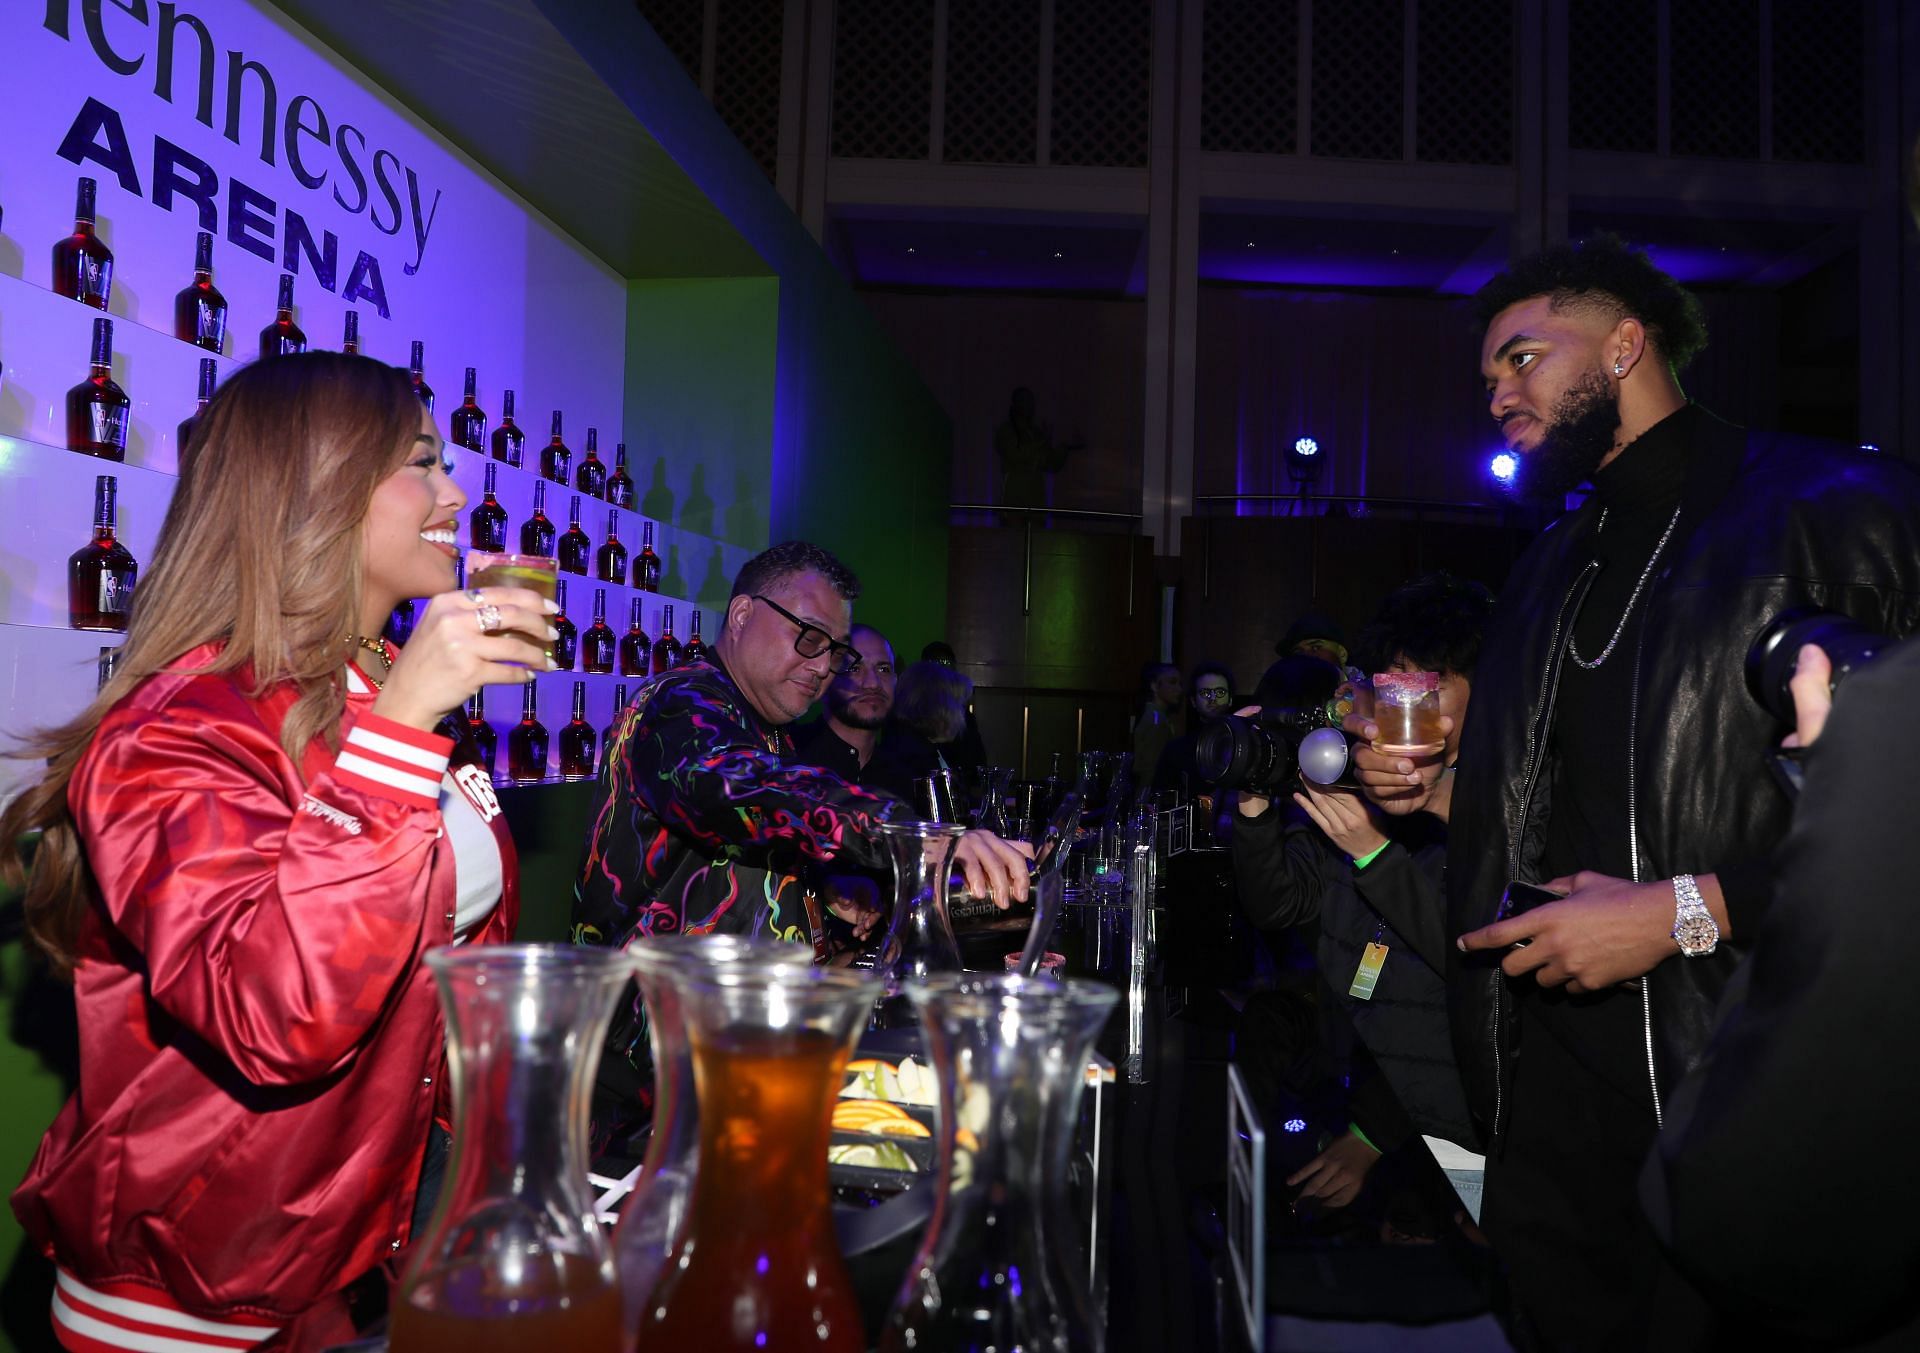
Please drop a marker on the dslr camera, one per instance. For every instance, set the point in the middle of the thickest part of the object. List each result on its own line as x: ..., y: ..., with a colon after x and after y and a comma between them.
x: 1849, y: 645
x: 1270, y: 752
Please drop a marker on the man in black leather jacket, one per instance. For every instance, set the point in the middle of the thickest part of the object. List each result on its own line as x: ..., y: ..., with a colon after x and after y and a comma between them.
x: 1616, y: 756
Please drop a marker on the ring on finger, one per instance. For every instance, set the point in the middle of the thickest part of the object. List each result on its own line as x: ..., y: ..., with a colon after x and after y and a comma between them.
x: 476, y: 596
x: 487, y: 617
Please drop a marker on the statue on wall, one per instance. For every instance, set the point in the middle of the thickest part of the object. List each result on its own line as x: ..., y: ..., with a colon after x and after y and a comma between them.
x: 1027, y: 453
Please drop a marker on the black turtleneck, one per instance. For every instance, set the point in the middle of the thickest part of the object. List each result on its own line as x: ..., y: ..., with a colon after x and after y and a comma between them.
x: 1587, y: 823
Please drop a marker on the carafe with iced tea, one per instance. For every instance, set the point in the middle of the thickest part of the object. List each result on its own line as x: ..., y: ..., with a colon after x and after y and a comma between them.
x: 651, y: 1218
x: 514, y: 1257
x: 756, y: 1265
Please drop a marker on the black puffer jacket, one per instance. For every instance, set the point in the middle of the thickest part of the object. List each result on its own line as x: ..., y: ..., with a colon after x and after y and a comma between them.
x: 1767, y: 522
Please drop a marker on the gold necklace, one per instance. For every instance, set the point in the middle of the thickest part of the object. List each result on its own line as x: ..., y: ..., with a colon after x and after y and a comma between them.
x: 375, y: 646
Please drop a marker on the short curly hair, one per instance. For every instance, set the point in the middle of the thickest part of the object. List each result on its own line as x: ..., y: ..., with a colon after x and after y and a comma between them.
x: 1607, y: 275
x: 775, y: 564
x: 1435, y: 622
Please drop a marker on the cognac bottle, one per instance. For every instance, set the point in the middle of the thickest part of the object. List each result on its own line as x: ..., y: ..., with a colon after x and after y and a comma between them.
x: 469, y: 423
x: 527, y: 743
x: 283, y: 335
x: 487, y: 523
x: 636, y: 650
x: 567, y: 646
x: 555, y: 459
x: 508, y: 439
x: 574, y: 545
x: 399, y: 626
x: 666, y: 649
x: 610, y: 564
x: 577, y: 739
x: 696, y: 649
x: 613, y: 723
x: 619, y: 484
x: 199, y: 310
x: 416, y: 374
x: 591, y: 477
x: 82, y: 264
x: 350, y: 341
x: 536, y: 532
x: 101, y: 573
x: 597, y: 644
x: 646, y: 569
x: 209, y: 375
x: 484, y: 737
x: 98, y: 411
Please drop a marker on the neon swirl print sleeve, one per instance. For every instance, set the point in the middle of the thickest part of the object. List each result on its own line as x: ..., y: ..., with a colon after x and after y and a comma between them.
x: 697, y: 808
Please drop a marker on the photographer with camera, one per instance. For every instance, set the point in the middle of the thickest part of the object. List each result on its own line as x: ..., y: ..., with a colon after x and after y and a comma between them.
x: 1372, y: 882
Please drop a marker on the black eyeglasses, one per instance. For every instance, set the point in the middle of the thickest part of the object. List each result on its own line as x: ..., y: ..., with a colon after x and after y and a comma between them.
x: 812, y: 641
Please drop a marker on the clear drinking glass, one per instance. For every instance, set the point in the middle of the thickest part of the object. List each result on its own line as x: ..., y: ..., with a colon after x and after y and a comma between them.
x: 1000, y: 1267
x: 1405, y: 707
x: 514, y: 1257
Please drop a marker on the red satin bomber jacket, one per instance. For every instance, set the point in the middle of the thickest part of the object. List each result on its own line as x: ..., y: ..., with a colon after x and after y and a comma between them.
x: 261, y: 1047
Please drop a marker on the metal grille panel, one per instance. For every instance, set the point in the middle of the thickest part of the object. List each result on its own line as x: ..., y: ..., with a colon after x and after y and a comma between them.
x: 1819, y: 81
x: 1613, y: 75
x: 1358, y: 79
x: 1249, y: 85
x: 746, y: 74
x: 1714, y: 81
x: 680, y: 24
x: 882, y: 79
x: 993, y: 82
x: 1464, y: 60
x: 1102, y: 75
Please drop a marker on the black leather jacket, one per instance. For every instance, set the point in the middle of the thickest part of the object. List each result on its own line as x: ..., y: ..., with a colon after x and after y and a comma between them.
x: 1767, y: 522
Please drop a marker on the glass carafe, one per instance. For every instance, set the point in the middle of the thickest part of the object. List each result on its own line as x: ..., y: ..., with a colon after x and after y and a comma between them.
x: 1000, y: 1267
x: 514, y: 1257
x: 652, y: 1215
x: 920, y: 935
x: 756, y: 1265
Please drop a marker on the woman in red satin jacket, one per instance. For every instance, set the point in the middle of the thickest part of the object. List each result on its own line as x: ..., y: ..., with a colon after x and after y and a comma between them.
x: 247, y: 842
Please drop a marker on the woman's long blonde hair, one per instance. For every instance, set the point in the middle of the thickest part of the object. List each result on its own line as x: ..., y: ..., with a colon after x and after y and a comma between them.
x: 260, y: 551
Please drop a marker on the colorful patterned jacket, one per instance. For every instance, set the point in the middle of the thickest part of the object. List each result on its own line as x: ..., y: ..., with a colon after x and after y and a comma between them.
x: 708, y: 827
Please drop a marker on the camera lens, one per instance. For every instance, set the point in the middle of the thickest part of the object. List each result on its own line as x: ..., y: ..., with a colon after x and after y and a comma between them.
x: 1253, y: 754
x: 1770, y: 661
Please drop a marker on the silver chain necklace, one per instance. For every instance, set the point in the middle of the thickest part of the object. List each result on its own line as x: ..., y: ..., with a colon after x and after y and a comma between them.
x: 1621, y: 628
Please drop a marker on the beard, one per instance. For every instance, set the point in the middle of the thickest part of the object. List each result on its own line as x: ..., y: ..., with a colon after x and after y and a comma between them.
x: 843, y: 710
x: 1581, y: 433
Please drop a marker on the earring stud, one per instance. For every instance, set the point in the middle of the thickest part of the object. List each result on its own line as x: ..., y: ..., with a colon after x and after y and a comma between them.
x: 1619, y: 370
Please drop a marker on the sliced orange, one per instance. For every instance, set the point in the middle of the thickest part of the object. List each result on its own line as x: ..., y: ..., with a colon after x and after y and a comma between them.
x: 906, y: 1127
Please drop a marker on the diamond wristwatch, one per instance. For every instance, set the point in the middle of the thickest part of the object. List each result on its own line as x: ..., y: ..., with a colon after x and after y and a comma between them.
x: 1693, y: 925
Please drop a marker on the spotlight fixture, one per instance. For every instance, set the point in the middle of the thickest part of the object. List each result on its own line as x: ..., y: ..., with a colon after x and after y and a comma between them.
x: 1868, y: 446
x: 1304, y: 462
x: 1295, y: 1125
x: 1503, y: 467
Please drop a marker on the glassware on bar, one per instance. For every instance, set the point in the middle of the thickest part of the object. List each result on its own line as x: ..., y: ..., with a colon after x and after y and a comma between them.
x: 514, y: 1257
x: 999, y: 1266
x: 756, y: 1264
x: 919, y: 940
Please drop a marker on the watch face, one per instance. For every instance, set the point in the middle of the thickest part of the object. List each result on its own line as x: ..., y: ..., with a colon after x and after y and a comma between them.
x: 1696, y: 935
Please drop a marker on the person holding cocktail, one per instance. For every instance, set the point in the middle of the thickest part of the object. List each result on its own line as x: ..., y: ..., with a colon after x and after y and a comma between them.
x: 247, y: 842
